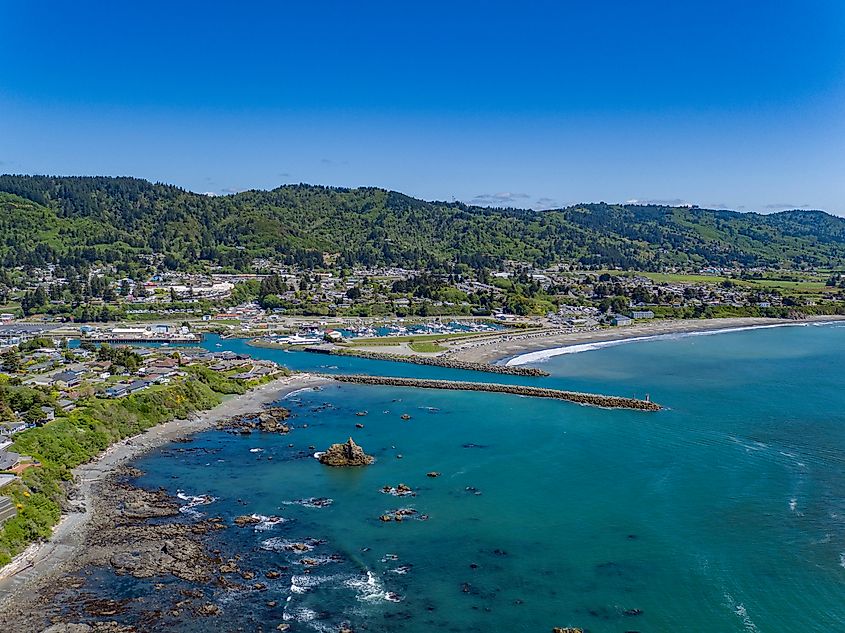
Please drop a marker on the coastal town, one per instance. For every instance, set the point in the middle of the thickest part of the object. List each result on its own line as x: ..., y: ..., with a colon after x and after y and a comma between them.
x: 54, y: 360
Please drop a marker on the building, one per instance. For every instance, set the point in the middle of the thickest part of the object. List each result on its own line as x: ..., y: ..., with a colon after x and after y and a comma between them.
x: 621, y: 319
x: 137, y: 385
x: 7, y: 509
x: 642, y: 314
x: 9, y: 459
x: 116, y: 391
x: 333, y: 336
x: 67, y: 379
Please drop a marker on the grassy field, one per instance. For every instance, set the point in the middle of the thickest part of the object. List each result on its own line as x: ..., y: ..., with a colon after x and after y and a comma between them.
x: 426, y: 347
x: 411, y: 338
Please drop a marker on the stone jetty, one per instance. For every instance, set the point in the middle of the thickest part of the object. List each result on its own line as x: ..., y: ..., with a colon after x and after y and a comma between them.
x: 436, y: 361
x: 592, y: 399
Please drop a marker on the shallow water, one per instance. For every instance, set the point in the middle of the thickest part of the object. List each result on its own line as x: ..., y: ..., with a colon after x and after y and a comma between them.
x: 723, y: 513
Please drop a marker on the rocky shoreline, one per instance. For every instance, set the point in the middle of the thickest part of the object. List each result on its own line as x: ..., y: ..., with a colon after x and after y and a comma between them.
x: 436, y: 361
x: 135, y: 532
x: 592, y: 399
x: 37, y: 569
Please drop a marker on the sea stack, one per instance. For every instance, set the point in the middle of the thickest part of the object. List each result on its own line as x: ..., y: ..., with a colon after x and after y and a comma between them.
x: 348, y: 454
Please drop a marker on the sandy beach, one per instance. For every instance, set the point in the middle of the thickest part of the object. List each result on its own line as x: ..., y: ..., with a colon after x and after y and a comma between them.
x: 493, y: 349
x: 43, y: 559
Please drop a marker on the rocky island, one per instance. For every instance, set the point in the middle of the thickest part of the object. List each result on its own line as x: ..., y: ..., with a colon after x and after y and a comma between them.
x: 348, y: 454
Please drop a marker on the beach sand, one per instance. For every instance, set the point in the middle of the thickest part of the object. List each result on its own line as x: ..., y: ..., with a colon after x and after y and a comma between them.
x: 43, y: 559
x: 511, y: 344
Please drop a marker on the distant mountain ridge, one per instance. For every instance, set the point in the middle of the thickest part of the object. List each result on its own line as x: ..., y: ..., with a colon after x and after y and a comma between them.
x: 77, y: 220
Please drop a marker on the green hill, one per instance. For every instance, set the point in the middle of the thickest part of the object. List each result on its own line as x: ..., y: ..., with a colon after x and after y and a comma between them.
x: 78, y: 220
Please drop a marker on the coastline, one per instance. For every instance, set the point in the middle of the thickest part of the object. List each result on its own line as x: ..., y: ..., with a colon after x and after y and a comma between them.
x: 42, y: 560
x: 508, y: 347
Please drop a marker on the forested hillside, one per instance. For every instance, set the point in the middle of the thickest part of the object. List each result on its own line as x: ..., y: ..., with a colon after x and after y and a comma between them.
x: 79, y: 220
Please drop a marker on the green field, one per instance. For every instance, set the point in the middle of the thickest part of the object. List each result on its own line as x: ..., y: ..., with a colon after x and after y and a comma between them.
x: 411, y: 338
x: 425, y: 347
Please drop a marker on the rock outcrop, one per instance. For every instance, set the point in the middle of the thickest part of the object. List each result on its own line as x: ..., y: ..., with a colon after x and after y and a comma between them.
x: 348, y: 454
x: 270, y: 420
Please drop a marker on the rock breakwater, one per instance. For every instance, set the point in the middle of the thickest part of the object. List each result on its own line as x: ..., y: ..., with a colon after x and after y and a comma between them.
x: 436, y: 361
x: 592, y: 399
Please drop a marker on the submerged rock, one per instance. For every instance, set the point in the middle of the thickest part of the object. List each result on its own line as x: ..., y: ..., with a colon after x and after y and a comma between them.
x: 348, y: 454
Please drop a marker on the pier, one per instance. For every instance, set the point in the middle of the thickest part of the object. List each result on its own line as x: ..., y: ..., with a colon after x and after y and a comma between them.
x: 591, y: 399
x: 435, y: 361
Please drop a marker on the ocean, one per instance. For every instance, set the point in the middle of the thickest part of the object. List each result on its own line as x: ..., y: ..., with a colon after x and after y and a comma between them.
x: 725, y: 512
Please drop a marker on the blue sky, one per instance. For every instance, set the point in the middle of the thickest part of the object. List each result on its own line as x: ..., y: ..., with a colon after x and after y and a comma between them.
x: 728, y: 104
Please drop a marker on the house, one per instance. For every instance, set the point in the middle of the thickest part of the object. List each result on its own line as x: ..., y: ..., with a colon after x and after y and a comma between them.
x: 621, y: 319
x: 165, y: 362
x: 9, y: 459
x: 66, y: 405
x: 10, y: 428
x: 67, y: 379
x: 642, y: 314
x: 116, y: 391
x: 137, y: 385
x: 49, y: 414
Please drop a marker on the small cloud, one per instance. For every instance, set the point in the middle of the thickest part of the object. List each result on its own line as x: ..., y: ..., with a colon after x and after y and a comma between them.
x: 785, y: 206
x: 284, y: 174
x: 210, y: 194
x: 503, y: 198
x: 660, y: 202
x: 546, y: 203
x: 230, y: 190
x: 330, y: 161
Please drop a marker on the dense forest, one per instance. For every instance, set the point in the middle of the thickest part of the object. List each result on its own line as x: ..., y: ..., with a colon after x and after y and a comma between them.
x: 78, y: 221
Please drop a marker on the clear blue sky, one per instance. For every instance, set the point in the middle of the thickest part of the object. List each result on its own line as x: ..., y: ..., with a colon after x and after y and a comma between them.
x: 737, y: 104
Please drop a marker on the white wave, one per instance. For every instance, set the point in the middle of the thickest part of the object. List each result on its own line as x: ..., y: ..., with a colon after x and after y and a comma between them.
x: 285, y: 545
x: 296, y: 392
x: 256, y: 450
x: 266, y: 523
x: 742, y: 613
x: 311, y: 502
x: 545, y: 354
x: 300, y: 614
x: 193, y: 502
x: 306, y: 582
x: 370, y: 589
x: 842, y: 560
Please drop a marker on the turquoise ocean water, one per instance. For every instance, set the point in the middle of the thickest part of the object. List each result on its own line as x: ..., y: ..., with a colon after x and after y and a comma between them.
x: 726, y: 512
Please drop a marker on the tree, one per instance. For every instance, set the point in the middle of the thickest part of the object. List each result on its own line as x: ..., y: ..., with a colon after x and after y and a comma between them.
x: 12, y: 361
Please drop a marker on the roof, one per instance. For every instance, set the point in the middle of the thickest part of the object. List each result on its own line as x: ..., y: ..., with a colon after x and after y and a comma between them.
x: 66, y: 376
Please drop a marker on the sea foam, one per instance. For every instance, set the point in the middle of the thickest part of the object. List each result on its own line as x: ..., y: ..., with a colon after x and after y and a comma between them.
x: 545, y: 354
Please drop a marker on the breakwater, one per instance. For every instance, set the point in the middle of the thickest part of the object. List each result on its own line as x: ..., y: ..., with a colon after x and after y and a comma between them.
x: 436, y: 361
x: 592, y: 399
